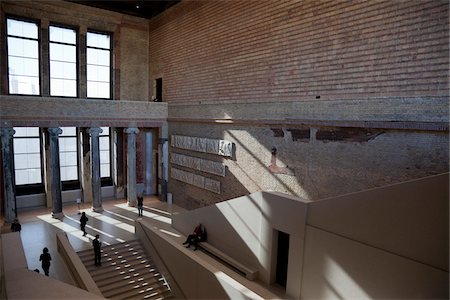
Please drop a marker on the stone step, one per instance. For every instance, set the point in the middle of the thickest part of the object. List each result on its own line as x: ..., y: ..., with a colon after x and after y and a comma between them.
x: 143, y: 293
x: 155, y: 284
x: 111, y: 248
x: 124, y: 274
x: 115, y: 264
x: 148, y: 278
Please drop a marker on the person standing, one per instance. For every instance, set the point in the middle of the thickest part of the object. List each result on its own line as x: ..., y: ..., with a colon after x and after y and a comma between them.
x: 97, y: 251
x: 83, y: 221
x: 45, y: 258
x: 140, y: 204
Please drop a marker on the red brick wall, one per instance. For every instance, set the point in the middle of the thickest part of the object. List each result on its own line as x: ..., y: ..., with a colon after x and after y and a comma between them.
x: 250, y: 51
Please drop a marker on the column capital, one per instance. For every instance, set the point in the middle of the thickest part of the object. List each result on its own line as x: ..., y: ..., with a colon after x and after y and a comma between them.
x: 131, y: 130
x: 7, y: 132
x: 55, y: 131
x: 94, y: 131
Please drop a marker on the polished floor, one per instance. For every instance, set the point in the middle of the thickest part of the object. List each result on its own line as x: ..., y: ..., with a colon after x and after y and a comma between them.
x: 115, y: 224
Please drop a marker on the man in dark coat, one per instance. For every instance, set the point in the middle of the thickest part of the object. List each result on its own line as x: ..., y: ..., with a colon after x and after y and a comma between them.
x: 97, y: 251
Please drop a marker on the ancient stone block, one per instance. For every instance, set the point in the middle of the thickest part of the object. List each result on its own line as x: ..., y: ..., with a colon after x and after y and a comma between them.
x: 213, y: 146
x: 199, y: 164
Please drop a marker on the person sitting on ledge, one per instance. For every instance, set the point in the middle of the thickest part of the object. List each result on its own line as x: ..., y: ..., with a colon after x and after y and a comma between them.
x: 199, y: 235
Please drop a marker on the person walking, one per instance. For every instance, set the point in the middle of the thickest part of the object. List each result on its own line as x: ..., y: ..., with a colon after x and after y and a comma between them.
x: 97, y: 251
x: 15, y: 226
x: 45, y: 258
x: 83, y: 221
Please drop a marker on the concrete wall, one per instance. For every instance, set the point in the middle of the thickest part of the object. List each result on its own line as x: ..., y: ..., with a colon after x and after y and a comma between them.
x: 371, y: 244
x: 352, y: 95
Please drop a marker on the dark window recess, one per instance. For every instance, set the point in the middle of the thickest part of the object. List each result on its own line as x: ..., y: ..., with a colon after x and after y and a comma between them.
x: 347, y: 134
x: 302, y: 135
x: 277, y: 132
x: 29, y: 189
x: 106, y: 181
x: 70, y: 185
x: 158, y: 89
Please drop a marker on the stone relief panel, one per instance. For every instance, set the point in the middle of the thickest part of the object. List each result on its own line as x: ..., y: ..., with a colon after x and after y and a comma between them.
x: 213, y: 146
x: 196, y: 180
x: 199, y: 164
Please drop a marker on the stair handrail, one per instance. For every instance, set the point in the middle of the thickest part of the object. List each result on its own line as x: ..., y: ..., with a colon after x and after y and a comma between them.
x: 160, y: 262
x: 79, y: 272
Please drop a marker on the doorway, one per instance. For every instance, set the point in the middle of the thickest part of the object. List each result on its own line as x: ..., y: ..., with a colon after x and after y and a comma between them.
x: 282, y: 258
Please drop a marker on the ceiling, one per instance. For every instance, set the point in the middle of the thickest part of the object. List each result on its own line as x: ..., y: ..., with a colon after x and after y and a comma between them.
x: 144, y: 8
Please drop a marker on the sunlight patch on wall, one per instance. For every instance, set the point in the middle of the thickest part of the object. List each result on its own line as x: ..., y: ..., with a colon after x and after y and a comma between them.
x: 234, y: 289
x: 342, y: 281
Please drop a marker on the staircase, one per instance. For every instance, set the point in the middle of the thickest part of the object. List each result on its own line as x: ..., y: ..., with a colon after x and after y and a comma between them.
x: 126, y: 272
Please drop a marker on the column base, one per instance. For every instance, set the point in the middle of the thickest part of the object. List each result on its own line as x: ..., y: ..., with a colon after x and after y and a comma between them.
x: 97, y: 209
x: 132, y: 204
x: 58, y: 215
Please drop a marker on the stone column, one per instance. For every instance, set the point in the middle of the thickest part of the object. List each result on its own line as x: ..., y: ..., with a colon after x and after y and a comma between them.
x: 86, y: 170
x: 148, y: 162
x: 95, y: 163
x: 55, y: 180
x: 119, y: 161
x: 9, y: 181
x: 131, y: 165
x: 164, y: 159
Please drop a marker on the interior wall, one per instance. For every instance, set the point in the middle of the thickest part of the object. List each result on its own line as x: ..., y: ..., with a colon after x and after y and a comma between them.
x: 352, y: 95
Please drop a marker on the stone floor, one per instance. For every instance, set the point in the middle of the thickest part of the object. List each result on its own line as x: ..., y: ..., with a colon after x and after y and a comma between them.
x: 114, y: 224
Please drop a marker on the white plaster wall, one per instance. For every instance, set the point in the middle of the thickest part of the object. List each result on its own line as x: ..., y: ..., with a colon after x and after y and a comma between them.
x: 243, y: 228
x: 340, y: 268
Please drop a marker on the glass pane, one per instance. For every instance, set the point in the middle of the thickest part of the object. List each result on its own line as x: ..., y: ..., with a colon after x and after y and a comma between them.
x: 56, y: 69
x: 23, y: 66
x: 103, y: 90
x: 104, y: 157
x: 70, y: 70
x: 56, y: 87
x: 34, y: 176
x: 105, y: 131
x: 104, y: 143
x: 69, y: 53
x: 69, y: 173
x: 21, y: 47
x: 34, y: 161
x: 20, y: 161
x: 26, y: 131
x: 68, y: 131
x: 103, y: 74
x: 92, y: 56
x: 33, y: 145
x: 23, y: 85
x: 105, y: 170
x: 62, y: 35
x: 92, y: 73
x: 22, y: 28
x: 71, y: 159
x: 98, y: 40
x: 56, y: 52
x: 21, y: 177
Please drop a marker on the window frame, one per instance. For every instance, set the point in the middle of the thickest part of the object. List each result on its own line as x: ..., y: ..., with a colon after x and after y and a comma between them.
x: 111, y: 52
x: 77, y: 57
x: 31, y: 188
x: 72, y: 184
x: 39, y: 40
x: 107, y: 181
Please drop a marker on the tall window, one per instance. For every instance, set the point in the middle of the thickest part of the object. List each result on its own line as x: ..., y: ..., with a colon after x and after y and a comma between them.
x: 23, y: 57
x: 63, y: 61
x: 68, y: 154
x: 105, y: 155
x: 98, y: 54
x: 27, y: 155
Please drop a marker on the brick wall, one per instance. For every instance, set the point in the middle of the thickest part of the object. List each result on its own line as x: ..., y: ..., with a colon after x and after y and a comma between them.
x: 352, y: 94
x: 248, y: 51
